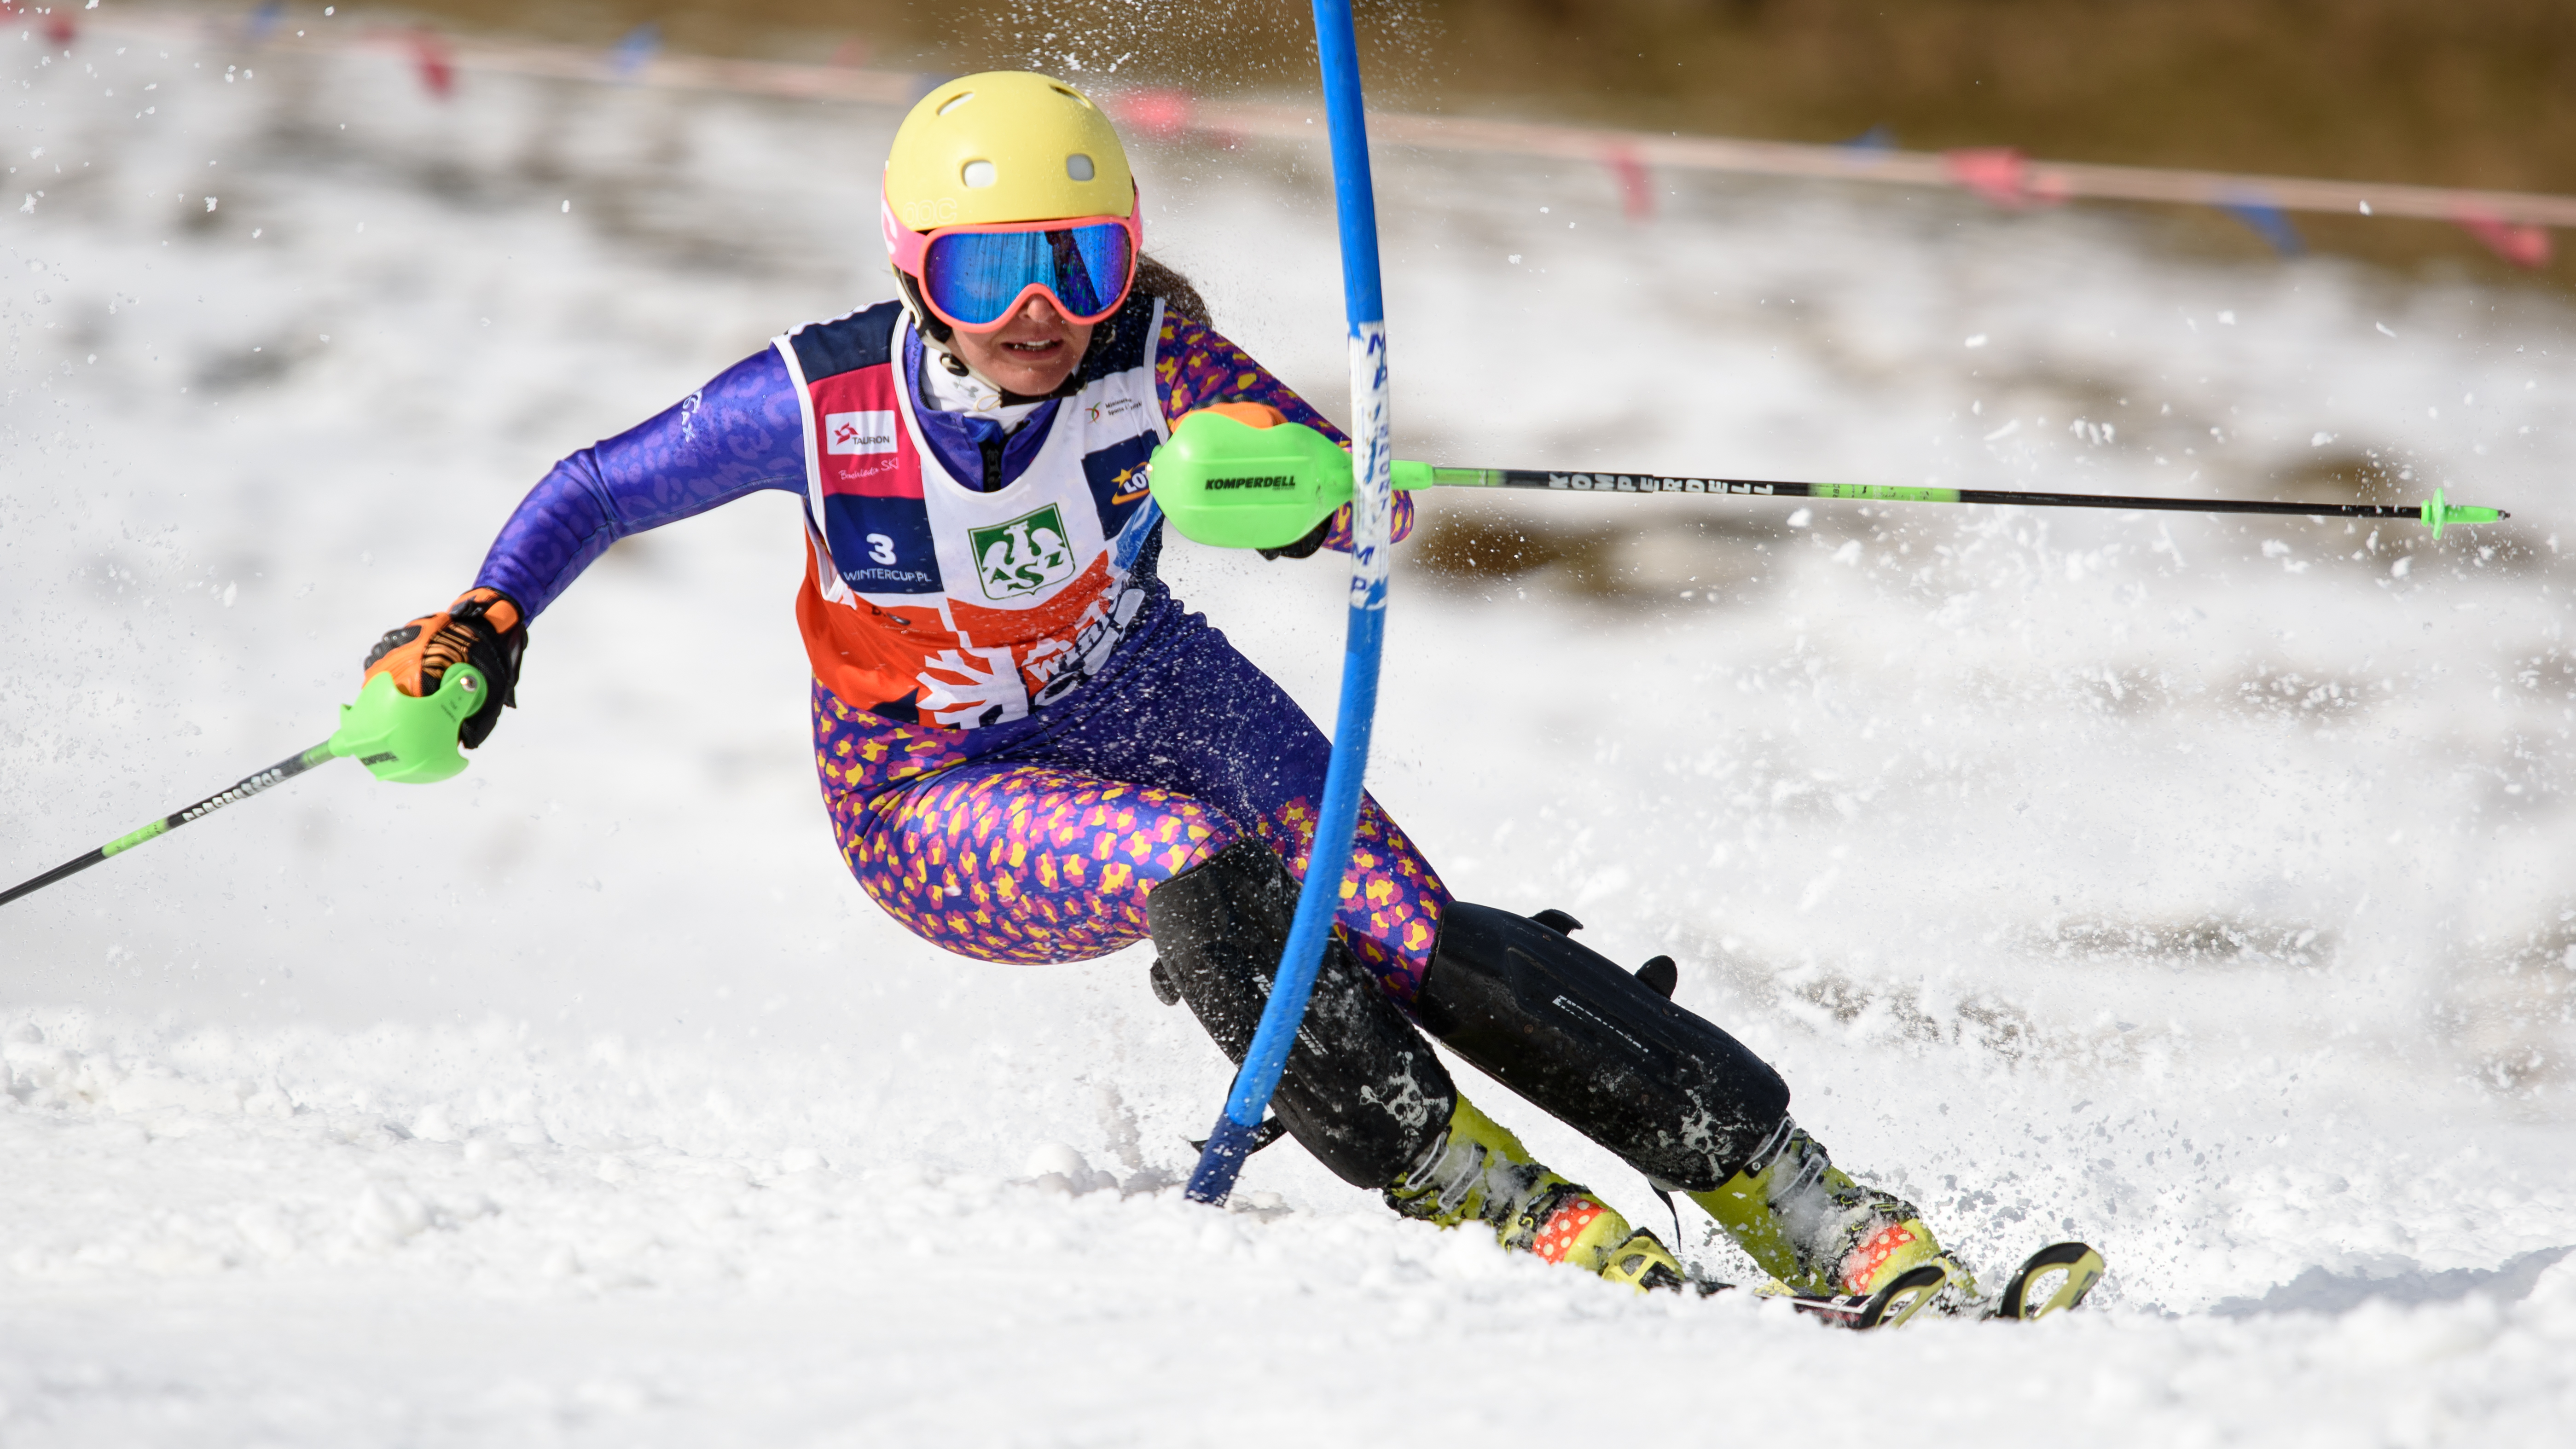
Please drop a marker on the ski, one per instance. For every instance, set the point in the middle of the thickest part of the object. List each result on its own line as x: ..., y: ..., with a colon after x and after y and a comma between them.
x: 1910, y: 1293
x: 2052, y: 1280
x: 2055, y: 1278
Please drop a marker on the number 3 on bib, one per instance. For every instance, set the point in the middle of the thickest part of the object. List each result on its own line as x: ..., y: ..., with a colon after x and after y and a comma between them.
x: 880, y: 548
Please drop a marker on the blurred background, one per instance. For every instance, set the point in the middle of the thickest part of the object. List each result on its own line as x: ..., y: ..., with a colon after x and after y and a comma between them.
x: 2473, y: 93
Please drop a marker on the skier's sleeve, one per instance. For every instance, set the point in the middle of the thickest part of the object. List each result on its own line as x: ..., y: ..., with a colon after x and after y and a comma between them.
x: 738, y: 435
x: 1194, y: 366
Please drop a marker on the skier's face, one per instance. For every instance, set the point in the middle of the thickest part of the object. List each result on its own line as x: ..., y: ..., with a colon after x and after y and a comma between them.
x: 1034, y: 350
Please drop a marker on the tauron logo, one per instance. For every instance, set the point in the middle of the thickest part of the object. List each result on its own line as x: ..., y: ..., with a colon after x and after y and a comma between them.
x: 1022, y: 556
x: 867, y: 432
x: 1262, y: 480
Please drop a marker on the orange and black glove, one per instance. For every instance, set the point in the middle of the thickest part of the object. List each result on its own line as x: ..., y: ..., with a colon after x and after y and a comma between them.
x: 483, y: 628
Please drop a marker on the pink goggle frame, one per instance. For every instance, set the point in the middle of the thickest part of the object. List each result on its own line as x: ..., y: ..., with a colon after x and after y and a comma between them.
x: 911, y: 252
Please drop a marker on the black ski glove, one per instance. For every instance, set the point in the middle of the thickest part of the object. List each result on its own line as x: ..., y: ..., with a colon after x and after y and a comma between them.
x: 1304, y: 547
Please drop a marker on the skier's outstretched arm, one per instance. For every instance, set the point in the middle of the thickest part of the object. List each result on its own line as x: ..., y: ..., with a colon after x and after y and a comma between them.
x: 740, y: 434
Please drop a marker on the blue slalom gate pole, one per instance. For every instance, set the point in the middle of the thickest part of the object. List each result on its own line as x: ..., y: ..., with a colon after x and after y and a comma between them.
x: 1372, y: 510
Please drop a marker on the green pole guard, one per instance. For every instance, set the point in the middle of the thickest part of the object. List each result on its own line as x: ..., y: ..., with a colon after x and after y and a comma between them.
x: 410, y: 739
x: 2437, y: 512
x: 1233, y: 485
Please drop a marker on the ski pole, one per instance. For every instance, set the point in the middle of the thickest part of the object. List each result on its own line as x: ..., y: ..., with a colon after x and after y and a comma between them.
x: 1239, y: 481
x: 242, y: 789
x: 1310, y: 930
x: 2434, y: 512
x: 396, y: 736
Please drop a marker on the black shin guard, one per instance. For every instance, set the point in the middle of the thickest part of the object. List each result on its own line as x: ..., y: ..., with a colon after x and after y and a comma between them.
x: 1363, y: 1091
x: 1678, y: 1099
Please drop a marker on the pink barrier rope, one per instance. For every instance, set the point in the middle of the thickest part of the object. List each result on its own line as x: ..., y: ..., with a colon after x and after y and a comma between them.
x: 2513, y: 224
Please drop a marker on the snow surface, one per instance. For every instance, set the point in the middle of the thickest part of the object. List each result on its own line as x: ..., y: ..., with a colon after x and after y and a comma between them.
x: 2190, y: 885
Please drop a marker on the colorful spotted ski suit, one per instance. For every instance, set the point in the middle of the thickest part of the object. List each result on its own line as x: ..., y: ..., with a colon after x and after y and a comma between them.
x: 1033, y: 838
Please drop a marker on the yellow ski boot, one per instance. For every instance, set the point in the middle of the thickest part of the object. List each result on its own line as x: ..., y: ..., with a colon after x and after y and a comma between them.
x: 1478, y: 1171
x: 1851, y: 1252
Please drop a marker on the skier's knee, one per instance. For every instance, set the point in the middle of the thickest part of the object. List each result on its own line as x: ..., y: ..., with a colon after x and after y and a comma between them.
x: 1602, y: 1050
x: 1362, y: 1091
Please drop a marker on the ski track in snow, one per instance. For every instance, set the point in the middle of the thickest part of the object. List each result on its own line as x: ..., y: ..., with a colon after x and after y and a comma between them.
x: 2185, y: 884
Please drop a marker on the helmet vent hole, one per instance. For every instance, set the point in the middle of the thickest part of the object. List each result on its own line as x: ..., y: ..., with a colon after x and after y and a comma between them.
x: 1070, y: 93
x: 1078, y: 166
x: 979, y: 173
x: 953, y: 102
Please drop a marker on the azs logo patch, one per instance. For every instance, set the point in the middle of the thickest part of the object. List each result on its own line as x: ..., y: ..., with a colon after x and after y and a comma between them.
x: 870, y: 432
x: 1022, y: 556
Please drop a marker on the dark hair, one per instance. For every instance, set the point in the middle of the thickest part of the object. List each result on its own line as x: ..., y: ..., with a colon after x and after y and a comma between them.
x: 1154, y: 279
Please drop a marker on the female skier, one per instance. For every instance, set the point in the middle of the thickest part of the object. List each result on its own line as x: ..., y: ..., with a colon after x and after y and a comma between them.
x: 1032, y: 753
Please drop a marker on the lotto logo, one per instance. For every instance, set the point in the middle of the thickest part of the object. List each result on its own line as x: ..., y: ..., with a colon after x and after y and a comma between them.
x: 871, y: 432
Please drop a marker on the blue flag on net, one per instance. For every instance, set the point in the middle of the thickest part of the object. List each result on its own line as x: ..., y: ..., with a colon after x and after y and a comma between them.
x: 632, y: 52
x: 2267, y: 222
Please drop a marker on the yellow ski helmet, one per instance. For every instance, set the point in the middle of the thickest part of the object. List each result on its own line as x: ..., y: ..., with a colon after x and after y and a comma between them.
x: 1005, y: 146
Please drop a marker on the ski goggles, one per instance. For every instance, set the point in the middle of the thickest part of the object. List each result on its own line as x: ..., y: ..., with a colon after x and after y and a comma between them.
x: 975, y: 276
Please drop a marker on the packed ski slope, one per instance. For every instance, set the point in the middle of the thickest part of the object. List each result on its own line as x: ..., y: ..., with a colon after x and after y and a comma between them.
x: 2192, y: 886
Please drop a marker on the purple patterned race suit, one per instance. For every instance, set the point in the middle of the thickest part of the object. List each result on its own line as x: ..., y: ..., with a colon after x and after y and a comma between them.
x: 1037, y: 838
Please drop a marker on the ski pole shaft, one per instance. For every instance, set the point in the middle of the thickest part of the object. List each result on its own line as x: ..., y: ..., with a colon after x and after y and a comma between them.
x: 242, y: 789
x: 1233, y: 483
x: 2435, y: 512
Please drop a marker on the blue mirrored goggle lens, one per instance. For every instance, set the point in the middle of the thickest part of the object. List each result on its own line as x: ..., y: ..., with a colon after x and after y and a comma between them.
x: 975, y: 276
